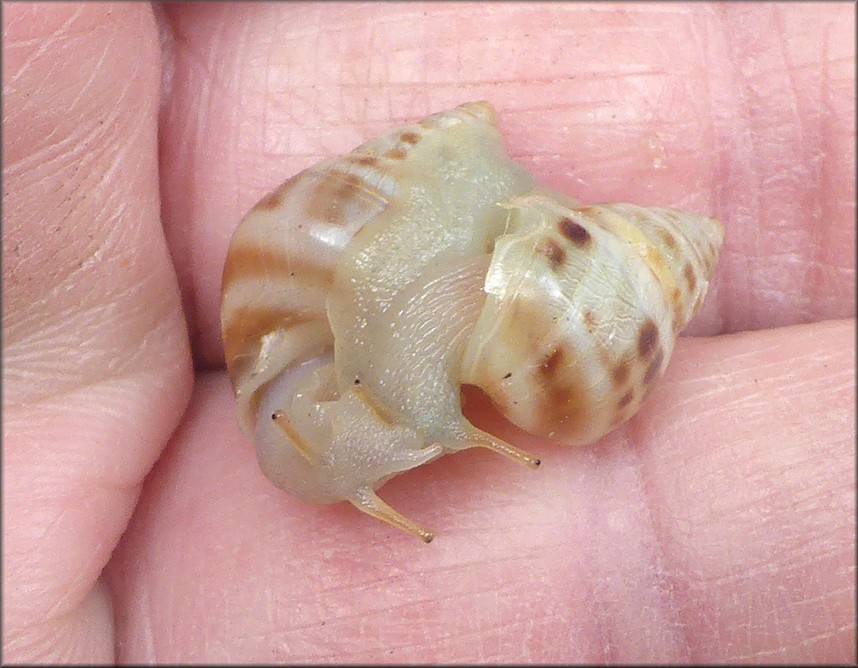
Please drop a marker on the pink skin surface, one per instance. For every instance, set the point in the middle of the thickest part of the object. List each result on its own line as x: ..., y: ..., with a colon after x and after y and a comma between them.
x: 716, y: 526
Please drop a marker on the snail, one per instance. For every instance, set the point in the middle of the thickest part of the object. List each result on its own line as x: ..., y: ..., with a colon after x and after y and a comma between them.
x: 360, y: 295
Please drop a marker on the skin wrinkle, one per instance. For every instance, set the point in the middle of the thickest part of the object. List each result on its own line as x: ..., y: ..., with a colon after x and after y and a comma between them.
x: 72, y: 268
x: 825, y: 181
x: 726, y: 198
x: 810, y: 237
x: 49, y: 522
x: 84, y: 89
x: 634, y: 435
x: 63, y: 615
x: 426, y: 647
x: 40, y: 368
x: 167, y: 41
x: 748, y: 576
x: 46, y: 43
x: 605, y: 621
x: 143, y: 608
x: 71, y: 145
x: 80, y: 587
x: 72, y: 575
x: 341, y: 619
x: 69, y: 138
x: 179, y: 240
x: 39, y: 646
x: 39, y: 587
x: 159, y: 321
x: 813, y: 233
x: 739, y: 580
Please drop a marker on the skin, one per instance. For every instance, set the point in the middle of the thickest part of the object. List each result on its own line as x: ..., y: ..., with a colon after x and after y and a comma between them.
x: 718, y: 525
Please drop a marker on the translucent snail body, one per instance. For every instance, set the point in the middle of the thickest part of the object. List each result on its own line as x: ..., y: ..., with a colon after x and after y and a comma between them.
x: 360, y: 295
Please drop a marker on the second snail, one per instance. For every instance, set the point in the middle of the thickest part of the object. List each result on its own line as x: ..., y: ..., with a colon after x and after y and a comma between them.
x: 360, y: 295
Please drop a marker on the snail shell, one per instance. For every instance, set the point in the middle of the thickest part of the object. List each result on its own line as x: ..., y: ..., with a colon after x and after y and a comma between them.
x: 360, y: 295
x: 583, y: 308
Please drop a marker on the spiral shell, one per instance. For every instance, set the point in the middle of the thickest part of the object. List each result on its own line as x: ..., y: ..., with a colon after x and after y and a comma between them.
x: 365, y: 291
x: 583, y: 307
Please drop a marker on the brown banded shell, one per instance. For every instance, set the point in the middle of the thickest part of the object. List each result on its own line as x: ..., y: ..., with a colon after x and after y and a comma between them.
x: 562, y: 356
x: 360, y: 295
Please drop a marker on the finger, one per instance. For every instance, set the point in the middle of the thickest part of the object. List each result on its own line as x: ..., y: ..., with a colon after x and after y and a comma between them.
x: 750, y: 480
x: 96, y: 367
x: 693, y: 535
x: 705, y: 109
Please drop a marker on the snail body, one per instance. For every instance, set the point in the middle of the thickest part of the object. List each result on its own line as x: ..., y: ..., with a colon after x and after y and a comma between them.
x: 363, y: 293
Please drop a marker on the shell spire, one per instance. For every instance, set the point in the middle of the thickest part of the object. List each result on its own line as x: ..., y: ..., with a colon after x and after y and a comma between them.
x: 584, y: 304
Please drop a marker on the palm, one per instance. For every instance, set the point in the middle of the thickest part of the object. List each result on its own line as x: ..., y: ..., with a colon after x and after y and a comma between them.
x: 718, y: 525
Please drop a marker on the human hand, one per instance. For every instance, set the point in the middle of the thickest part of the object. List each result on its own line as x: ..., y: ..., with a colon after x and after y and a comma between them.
x: 717, y: 525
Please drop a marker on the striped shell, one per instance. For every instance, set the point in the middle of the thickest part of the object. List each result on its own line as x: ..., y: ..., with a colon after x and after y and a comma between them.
x: 360, y: 295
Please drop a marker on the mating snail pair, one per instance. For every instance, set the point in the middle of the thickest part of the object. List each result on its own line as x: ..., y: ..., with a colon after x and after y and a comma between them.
x: 362, y: 293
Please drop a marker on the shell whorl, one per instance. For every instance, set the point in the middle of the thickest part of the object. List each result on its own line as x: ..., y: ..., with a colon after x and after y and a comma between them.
x: 583, y: 308
x: 282, y: 256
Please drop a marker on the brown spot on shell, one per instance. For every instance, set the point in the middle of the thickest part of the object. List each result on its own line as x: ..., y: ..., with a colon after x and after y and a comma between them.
x: 678, y: 318
x: 366, y: 160
x: 589, y: 320
x: 558, y: 399
x: 409, y: 137
x: 690, y: 278
x: 626, y: 399
x: 565, y: 406
x: 332, y: 192
x: 243, y: 261
x: 647, y: 338
x: 244, y: 330
x: 552, y: 362
x: 395, y: 154
x: 575, y: 232
x: 481, y: 110
x: 655, y: 261
x: 654, y: 366
x: 270, y: 202
x: 274, y: 199
x: 678, y: 310
x: 668, y: 239
x: 553, y: 251
x: 710, y: 258
x: 620, y: 373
